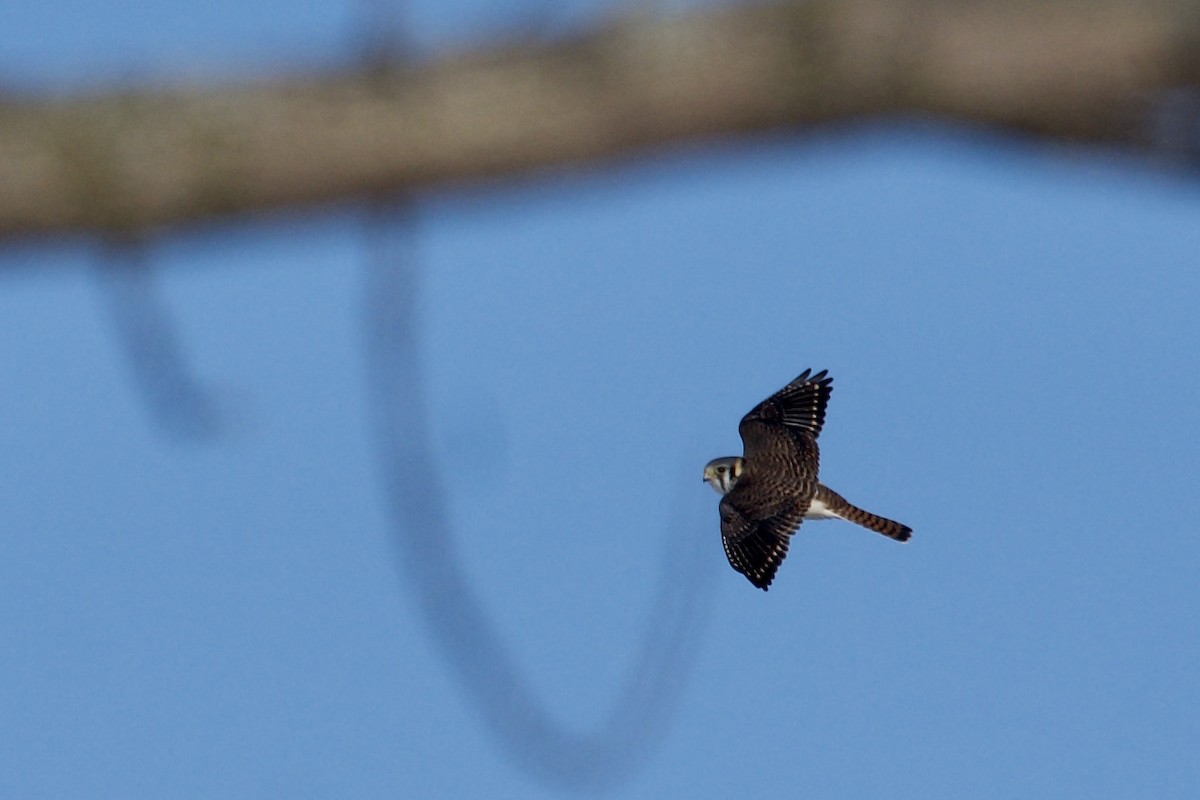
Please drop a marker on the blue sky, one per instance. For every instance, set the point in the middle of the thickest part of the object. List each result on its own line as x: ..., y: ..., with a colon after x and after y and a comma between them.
x: 1013, y: 337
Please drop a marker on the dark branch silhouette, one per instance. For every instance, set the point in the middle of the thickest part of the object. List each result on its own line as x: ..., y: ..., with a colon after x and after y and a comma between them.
x: 1063, y: 72
x: 453, y: 615
x: 147, y: 333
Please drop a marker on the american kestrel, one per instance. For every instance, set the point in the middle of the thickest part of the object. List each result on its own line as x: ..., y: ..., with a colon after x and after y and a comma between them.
x: 773, y: 486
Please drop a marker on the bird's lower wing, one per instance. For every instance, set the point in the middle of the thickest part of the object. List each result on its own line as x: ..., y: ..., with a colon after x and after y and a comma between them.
x: 756, y: 548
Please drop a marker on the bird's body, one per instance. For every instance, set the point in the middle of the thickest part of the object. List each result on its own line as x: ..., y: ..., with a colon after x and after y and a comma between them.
x: 773, y: 486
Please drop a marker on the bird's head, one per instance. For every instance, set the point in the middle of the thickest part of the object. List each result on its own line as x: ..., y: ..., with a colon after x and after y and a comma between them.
x: 723, y: 473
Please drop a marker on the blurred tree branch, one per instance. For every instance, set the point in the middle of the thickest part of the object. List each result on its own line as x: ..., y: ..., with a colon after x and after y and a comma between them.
x: 135, y: 160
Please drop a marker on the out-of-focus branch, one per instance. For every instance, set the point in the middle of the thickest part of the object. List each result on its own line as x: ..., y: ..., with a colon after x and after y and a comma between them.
x: 149, y: 334
x: 477, y: 657
x: 1067, y: 71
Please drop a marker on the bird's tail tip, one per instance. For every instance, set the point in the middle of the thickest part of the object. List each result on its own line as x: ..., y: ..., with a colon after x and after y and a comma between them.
x: 888, y: 527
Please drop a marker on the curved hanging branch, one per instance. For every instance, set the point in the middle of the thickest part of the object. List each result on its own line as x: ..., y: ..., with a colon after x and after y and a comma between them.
x: 1067, y: 72
x: 147, y: 333
x: 453, y: 614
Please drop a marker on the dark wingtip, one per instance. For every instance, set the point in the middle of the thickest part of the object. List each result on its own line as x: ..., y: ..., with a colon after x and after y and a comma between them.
x: 764, y: 580
x: 814, y: 377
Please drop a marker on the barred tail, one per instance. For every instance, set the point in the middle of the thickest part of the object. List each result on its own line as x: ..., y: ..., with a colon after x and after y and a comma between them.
x: 842, y: 508
x: 888, y: 527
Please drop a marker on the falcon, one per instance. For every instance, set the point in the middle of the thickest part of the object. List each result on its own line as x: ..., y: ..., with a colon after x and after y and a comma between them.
x: 772, y: 487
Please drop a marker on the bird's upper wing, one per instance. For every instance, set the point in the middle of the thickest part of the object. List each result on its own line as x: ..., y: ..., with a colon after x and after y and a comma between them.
x: 799, y: 406
x: 756, y: 548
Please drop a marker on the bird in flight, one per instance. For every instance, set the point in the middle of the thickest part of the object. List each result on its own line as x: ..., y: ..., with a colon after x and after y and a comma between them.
x: 769, y: 490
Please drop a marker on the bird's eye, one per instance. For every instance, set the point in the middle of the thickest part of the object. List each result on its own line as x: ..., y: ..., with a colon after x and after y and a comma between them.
x: 720, y: 470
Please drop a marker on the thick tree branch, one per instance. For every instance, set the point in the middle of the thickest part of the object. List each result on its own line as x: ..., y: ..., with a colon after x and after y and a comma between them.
x: 1087, y: 71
